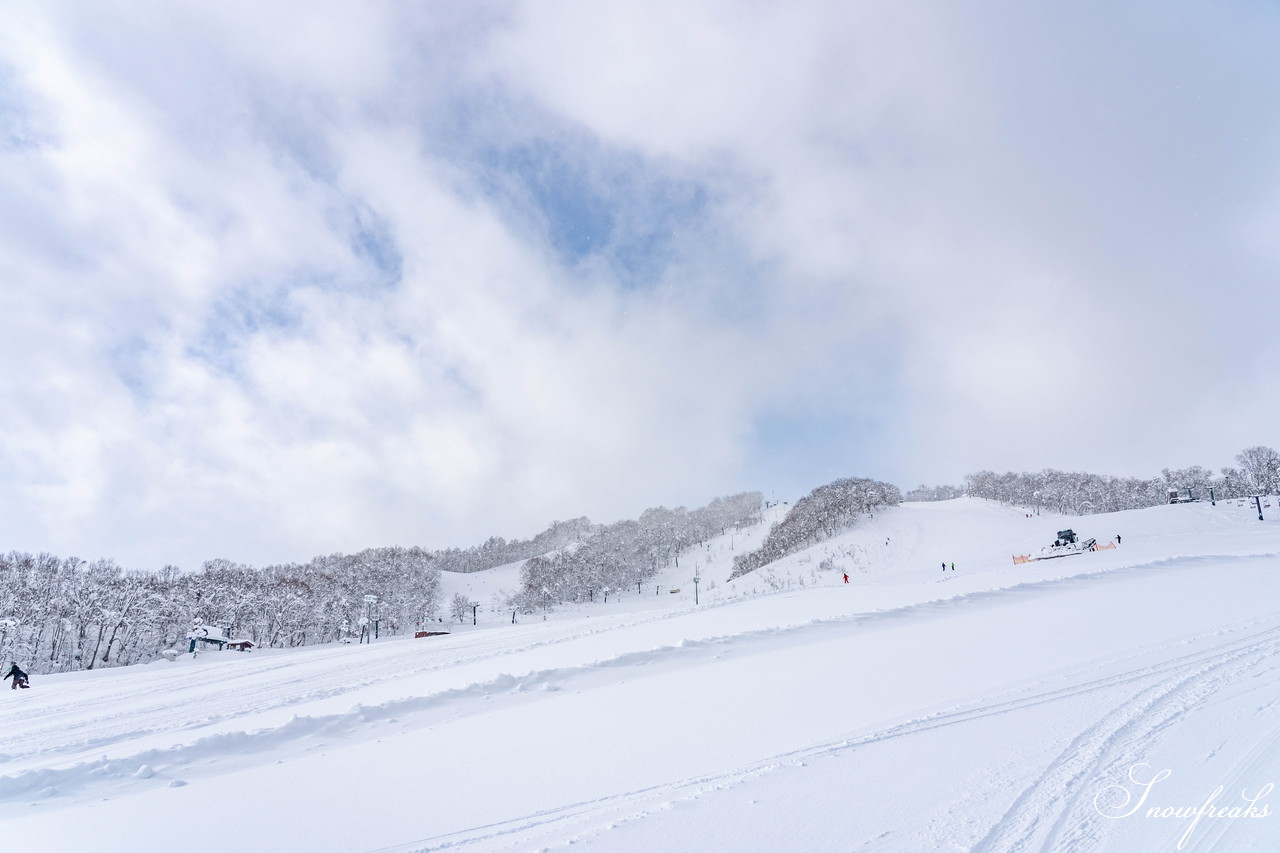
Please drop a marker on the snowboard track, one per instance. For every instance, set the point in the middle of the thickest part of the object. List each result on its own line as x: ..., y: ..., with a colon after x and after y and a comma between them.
x: 1054, y: 812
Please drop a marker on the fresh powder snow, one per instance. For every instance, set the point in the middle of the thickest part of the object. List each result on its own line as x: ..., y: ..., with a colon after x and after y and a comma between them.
x: 1120, y: 700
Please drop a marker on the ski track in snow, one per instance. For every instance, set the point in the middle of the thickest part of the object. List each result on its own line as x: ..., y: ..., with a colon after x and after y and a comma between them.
x: 1038, y: 818
x: 237, y: 697
x: 257, y: 684
x: 1133, y: 700
x: 250, y: 693
x: 1050, y: 814
x: 1153, y: 705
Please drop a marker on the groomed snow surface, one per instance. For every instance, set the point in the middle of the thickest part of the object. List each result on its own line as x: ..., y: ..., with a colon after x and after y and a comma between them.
x: 994, y: 708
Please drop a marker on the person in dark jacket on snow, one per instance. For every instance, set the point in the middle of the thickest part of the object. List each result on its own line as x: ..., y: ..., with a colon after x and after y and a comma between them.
x: 19, y: 677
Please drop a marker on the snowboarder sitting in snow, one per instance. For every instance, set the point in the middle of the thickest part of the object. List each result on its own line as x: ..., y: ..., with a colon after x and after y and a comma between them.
x: 19, y: 677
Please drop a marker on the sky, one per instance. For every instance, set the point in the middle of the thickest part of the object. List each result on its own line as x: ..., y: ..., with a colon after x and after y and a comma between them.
x: 312, y: 277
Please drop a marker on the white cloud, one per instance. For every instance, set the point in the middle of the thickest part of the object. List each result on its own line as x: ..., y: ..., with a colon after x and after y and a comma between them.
x: 331, y: 276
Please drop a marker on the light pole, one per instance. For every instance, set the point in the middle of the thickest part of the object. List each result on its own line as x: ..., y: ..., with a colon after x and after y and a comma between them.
x: 1037, y: 497
x: 1257, y: 500
x: 696, y: 579
x: 370, y: 616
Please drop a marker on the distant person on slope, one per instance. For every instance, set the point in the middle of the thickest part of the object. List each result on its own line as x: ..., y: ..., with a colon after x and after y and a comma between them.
x: 19, y: 677
x: 944, y: 565
x: 846, y: 577
x: 1117, y: 538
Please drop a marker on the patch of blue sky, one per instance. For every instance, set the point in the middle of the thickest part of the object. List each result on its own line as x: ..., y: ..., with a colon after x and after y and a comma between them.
x: 580, y: 220
x: 835, y: 429
x: 373, y: 242
x: 794, y: 452
x: 595, y: 204
x: 656, y: 225
x: 238, y: 315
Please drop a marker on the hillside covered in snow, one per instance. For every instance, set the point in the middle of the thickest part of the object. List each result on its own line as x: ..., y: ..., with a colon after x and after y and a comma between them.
x: 913, y: 707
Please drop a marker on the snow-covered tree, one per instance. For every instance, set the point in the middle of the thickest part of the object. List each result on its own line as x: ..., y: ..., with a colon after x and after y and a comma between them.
x: 459, y: 606
x: 1261, y: 469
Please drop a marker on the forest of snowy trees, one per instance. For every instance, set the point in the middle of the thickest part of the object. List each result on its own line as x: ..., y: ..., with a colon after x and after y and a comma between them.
x: 622, y: 556
x: 67, y: 614
x: 60, y: 614
x: 934, y: 493
x: 821, y: 514
x: 499, y: 552
x: 1082, y: 494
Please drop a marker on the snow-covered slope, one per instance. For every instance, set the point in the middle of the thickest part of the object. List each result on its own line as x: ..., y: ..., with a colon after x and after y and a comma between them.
x: 995, y: 707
